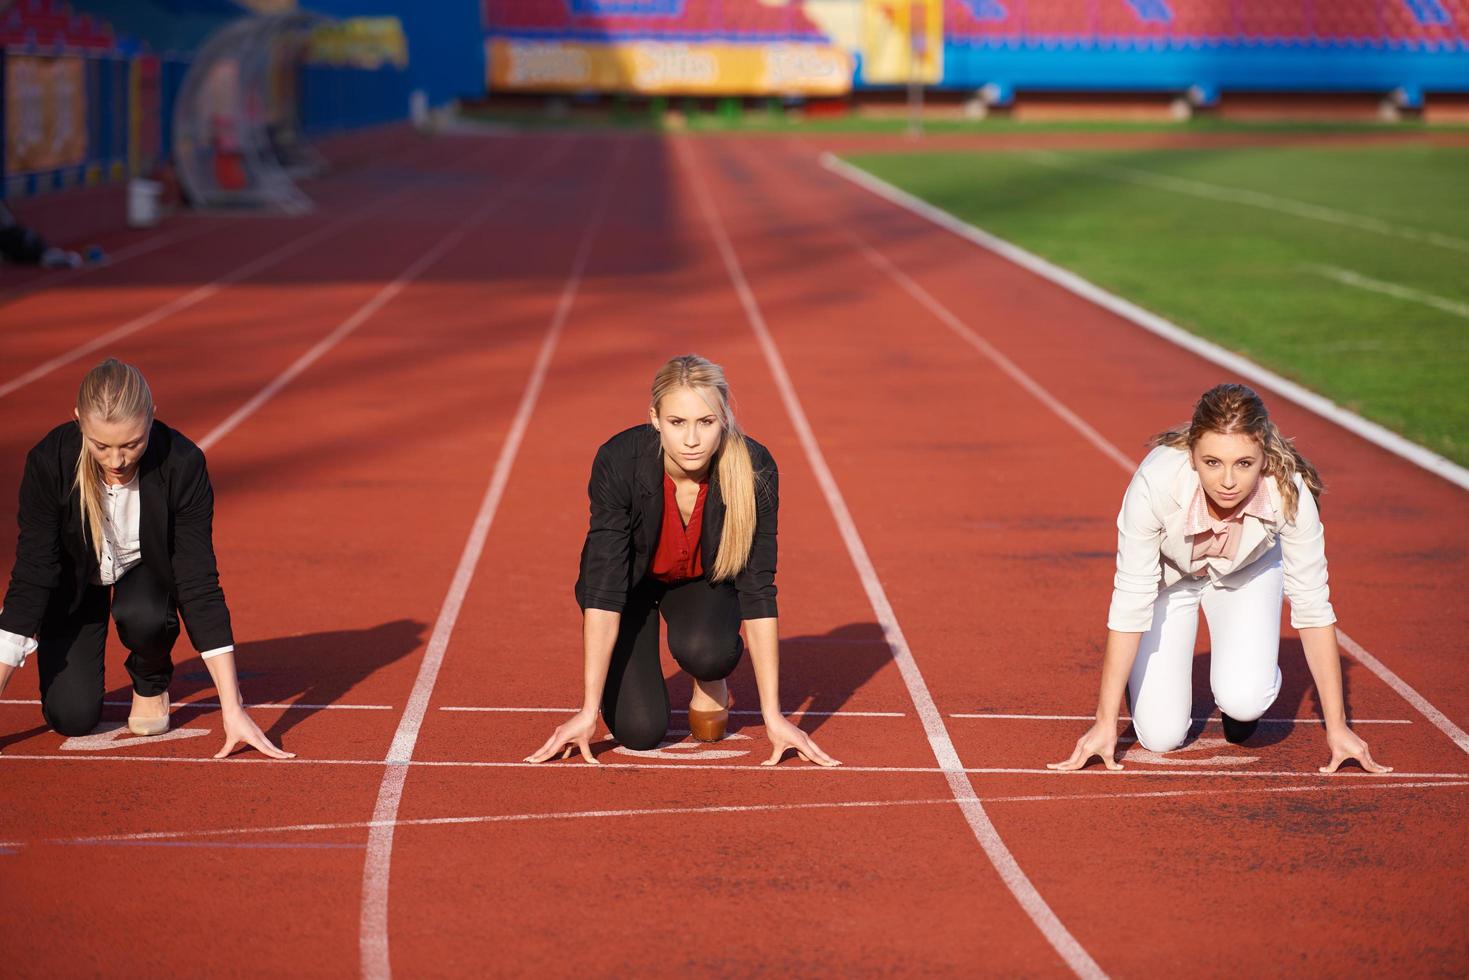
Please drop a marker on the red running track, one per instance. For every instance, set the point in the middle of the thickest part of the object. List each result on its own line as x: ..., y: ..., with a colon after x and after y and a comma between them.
x: 456, y: 355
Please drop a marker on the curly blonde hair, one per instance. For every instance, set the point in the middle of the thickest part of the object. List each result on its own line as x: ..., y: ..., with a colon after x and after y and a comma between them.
x: 1232, y: 408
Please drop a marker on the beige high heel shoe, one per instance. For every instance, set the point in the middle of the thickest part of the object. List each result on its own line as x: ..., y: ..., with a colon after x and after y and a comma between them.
x: 709, y: 726
x: 149, y: 721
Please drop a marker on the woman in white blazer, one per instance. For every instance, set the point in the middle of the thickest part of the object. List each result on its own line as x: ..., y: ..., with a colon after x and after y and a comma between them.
x: 1220, y: 515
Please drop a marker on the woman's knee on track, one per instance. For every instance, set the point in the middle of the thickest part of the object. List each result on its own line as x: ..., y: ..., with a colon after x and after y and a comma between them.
x: 1245, y: 698
x: 707, y: 655
x: 639, y: 734
x: 71, y: 717
x: 1161, y: 734
x: 1246, y: 704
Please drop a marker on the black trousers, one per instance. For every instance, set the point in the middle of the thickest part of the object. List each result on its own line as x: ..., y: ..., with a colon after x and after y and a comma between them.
x: 703, y: 636
x: 70, y: 648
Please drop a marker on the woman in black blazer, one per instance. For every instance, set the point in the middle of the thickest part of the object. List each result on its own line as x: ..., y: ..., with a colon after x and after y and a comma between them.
x: 116, y: 521
x: 683, y: 524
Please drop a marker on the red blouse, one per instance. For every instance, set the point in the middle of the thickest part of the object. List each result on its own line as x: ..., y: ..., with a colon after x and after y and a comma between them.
x: 678, y: 556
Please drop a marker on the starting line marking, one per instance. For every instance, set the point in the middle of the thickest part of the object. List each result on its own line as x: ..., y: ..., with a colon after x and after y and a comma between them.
x: 115, y: 735
x: 578, y: 765
x: 297, y: 706
x: 169, y: 835
x: 792, y: 713
x: 1205, y: 719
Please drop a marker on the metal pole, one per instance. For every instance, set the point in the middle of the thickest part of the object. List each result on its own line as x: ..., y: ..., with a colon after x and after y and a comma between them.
x: 917, y: 37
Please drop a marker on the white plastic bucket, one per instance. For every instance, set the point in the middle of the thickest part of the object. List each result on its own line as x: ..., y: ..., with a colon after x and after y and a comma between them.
x: 143, y: 197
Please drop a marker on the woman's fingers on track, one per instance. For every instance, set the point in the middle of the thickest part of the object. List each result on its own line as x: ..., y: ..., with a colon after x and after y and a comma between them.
x: 1346, y: 745
x: 802, y: 745
x: 566, y: 739
x: 1083, y: 753
x: 265, y: 746
x: 548, y: 748
x: 229, y: 746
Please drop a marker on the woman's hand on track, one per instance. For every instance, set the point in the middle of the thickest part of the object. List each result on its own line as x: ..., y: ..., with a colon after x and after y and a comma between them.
x: 240, y: 728
x: 570, y: 735
x: 783, y: 735
x: 1346, y: 744
x: 1099, y: 740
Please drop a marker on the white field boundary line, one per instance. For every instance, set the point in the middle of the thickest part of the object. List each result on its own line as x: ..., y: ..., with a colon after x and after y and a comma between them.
x: 182, y: 705
x: 1376, y: 434
x: 199, y: 294
x: 579, y: 766
x: 1349, y: 278
x: 946, y: 316
x: 1009, y: 870
x: 1239, y: 195
x: 571, y: 711
x: 165, y: 835
x: 381, y: 298
x: 373, y: 925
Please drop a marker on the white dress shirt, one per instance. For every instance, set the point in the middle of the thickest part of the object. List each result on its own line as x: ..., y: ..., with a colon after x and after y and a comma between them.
x: 122, y: 548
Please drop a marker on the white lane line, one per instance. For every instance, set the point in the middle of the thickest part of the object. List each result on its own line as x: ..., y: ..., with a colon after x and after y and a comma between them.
x: 381, y: 298
x: 177, y: 705
x: 946, y: 316
x: 1376, y: 434
x: 1239, y: 195
x: 1209, y: 719
x: 1056, y: 933
x: 1405, y: 690
x: 167, y: 835
x: 1349, y: 278
x: 1230, y: 791
x: 248, y: 759
x: 199, y: 294
x: 373, y: 927
x: 283, y: 846
x: 949, y: 319
x: 792, y: 712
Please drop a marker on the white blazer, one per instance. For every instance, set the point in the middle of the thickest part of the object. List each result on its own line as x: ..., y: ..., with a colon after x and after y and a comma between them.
x: 1153, y: 552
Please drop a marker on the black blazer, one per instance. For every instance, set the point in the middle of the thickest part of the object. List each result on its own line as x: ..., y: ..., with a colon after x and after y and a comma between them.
x: 54, y: 560
x: 626, y: 495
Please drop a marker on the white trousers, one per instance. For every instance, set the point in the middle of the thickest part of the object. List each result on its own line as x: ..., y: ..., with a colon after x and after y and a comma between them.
x: 1244, y: 661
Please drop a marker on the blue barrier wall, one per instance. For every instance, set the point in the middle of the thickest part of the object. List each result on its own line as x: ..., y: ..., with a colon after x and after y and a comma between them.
x: 1238, y: 67
x: 445, y: 54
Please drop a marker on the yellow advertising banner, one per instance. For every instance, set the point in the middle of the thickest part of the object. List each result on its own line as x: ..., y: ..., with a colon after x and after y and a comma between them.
x: 362, y: 42
x: 902, y: 41
x: 45, y: 113
x: 668, y: 68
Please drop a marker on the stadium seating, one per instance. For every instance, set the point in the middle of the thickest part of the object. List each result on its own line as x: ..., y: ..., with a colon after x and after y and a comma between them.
x: 1428, y: 23
x: 49, y: 25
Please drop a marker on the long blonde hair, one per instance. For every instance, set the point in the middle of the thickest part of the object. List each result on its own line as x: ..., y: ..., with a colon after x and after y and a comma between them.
x: 732, y: 460
x: 1231, y: 408
x: 111, y: 392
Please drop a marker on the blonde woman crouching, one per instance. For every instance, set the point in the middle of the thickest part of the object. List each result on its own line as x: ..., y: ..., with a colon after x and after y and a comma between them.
x: 1220, y: 515
x: 116, y: 522
x: 683, y: 524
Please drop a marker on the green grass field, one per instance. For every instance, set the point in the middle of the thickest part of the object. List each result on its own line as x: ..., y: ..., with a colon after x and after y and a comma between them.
x: 1266, y: 281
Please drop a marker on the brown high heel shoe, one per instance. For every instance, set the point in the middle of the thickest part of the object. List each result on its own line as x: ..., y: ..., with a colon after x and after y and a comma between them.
x: 709, y: 726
